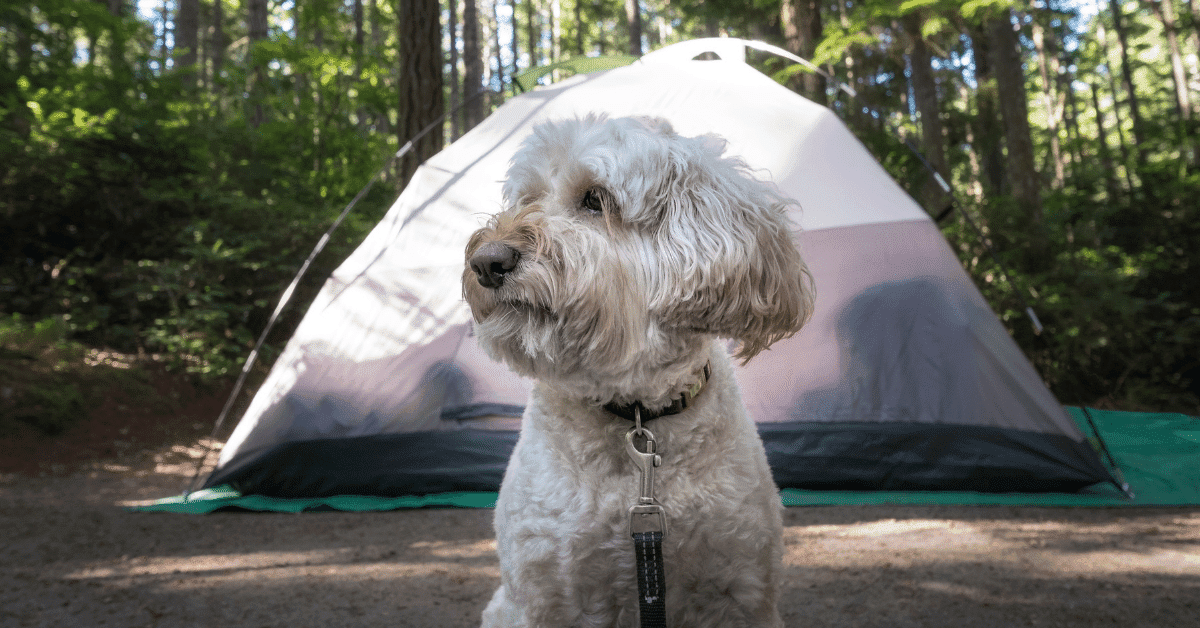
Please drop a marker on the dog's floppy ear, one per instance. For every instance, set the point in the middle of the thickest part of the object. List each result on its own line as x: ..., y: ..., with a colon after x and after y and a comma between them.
x: 729, y: 236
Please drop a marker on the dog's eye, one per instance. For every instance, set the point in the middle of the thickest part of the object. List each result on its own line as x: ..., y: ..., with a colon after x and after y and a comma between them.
x: 593, y: 200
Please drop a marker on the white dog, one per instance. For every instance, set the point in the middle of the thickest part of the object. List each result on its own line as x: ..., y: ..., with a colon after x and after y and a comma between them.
x: 624, y: 252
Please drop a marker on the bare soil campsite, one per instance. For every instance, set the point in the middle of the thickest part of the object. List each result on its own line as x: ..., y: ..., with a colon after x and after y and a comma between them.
x: 72, y: 554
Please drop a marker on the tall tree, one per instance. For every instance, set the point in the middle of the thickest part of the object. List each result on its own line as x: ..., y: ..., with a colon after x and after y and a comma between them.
x: 117, y: 43
x: 1166, y: 14
x: 256, y: 23
x: 421, y: 101
x: 989, y: 129
x: 455, y: 114
x: 633, y: 17
x: 580, y: 27
x: 1010, y: 83
x: 218, y: 44
x: 1106, y: 161
x: 516, y: 38
x: 1043, y: 43
x: 496, y: 46
x: 533, y: 29
x: 359, y: 39
x: 187, y: 39
x: 1135, y: 109
x: 924, y: 88
x: 472, y: 65
x: 802, y: 29
x: 1102, y: 38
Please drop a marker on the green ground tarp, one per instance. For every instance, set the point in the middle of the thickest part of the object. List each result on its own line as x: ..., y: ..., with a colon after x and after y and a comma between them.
x: 1159, y: 455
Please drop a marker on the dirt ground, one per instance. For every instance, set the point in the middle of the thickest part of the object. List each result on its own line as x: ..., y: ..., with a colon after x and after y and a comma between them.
x: 72, y: 555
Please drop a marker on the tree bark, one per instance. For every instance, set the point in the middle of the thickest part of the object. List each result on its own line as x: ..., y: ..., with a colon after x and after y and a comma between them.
x: 1135, y: 114
x: 256, y: 22
x: 359, y: 39
x: 1106, y: 161
x: 218, y: 44
x: 633, y: 17
x: 924, y: 84
x: 1183, y: 106
x: 472, y: 66
x: 499, y: 49
x: 421, y: 100
x: 533, y: 29
x: 1126, y: 162
x: 580, y: 27
x: 1046, y: 59
x: 455, y: 114
x: 802, y: 29
x: 1010, y: 83
x: 187, y: 40
x: 516, y: 29
x: 989, y: 129
x: 116, y: 46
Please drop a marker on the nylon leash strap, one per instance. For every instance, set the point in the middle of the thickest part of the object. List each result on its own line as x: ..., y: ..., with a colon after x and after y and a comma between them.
x: 647, y: 526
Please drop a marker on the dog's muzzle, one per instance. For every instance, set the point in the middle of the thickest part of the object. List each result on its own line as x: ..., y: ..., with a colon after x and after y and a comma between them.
x: 493, y: 262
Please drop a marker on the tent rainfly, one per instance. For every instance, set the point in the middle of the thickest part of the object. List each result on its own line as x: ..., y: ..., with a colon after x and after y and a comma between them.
x: 903, y: 380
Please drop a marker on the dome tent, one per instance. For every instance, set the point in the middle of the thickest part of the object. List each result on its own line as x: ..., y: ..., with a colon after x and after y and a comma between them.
x: 904, y: 378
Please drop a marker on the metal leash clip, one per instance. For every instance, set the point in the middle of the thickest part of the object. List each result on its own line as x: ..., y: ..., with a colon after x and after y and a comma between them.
x: 647, y: 515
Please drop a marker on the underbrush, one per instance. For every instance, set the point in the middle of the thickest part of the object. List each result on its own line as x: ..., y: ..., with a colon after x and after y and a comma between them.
x: 49, y: 383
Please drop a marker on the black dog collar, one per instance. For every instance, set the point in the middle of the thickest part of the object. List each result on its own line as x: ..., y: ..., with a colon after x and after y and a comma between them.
x: 627, y: 410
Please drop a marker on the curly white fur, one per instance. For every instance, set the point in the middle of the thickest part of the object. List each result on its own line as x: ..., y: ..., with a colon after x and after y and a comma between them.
x: 625, y: 251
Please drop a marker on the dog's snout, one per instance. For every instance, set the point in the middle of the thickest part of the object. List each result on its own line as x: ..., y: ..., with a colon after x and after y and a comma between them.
x: 492, y: 262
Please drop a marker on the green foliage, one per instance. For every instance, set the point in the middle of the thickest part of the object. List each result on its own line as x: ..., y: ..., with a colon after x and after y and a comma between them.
x: 148, y: 216
x: 45, y: 380
x: 151, y: 210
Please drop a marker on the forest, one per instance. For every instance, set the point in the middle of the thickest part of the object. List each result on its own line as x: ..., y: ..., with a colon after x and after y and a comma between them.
x: 167, y: 165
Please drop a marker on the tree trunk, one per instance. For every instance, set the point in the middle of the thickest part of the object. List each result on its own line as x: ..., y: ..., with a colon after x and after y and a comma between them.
x: 421, y: 101
x: 516, y: 29
x: 1183, y: 106
x: 1079, y: 156
x: 256, y: 22
x: 555, y: 32
x: 933, y: 143
x: 472, y: 65
x: 1194, y: 7
x: 633, y: 17
x: 187, y: 40
x: 1135, y: 114
x: 499, y: 50
x: 802, y: 29
x: 1126, y: 162
x: 580, y: 27
x: 534, y: 31
x: 163, y: 55
x: 383, y: 123
x: 116, y: 46
x: 1106, y: 162
x: 218, y: 44
x: 359, y: 39
x: 1010, y: 83
x: 1166, y: 14
x: 989, y: 130
x: 1046, y: 52
x: 455, y: 114
x: 973, y: 157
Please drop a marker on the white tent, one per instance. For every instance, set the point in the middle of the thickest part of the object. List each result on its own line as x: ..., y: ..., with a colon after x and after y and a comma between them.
x: 903, y: 379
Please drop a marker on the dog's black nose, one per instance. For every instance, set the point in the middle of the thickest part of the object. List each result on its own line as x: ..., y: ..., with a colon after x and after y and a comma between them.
x: 492, y: 262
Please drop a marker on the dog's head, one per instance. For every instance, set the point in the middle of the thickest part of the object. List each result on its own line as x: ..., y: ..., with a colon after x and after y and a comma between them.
x: 624, y: 246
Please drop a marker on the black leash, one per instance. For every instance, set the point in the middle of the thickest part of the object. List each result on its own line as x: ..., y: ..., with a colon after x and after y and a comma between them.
x: 648, y: 525
x: 651, y: 579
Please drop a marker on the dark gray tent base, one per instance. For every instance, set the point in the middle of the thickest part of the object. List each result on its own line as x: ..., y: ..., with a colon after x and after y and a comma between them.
x: 862, y: 456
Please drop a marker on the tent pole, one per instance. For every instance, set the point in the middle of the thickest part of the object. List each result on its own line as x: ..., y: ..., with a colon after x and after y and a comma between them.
x: 1118, y: 476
